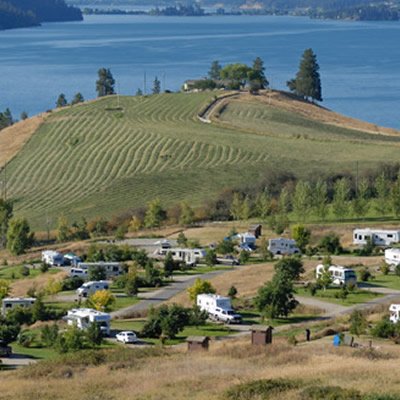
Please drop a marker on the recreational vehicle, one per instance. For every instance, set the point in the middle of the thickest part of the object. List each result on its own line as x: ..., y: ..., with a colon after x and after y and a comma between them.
x: 71, y: 259
x: 283, y: 246
x: 392, y: 257
x: 112, y: 269
x: 51, y: 257
x: 10, y: 302
x: 395, y: 313
x: 90, y: 288
x: 340, y: 275
x: 78, y: 273
x: 187, y: 256
x: 248, y: 239
x: 218, y: 307
x: 378, y: 237
x: 83, y: 317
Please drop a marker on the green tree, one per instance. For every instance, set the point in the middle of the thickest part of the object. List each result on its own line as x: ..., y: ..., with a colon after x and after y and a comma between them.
x: 214, y: 72
x: 182, y: 239
x: 39, y: 310
x: 330, y: 243
x: 19, y: 237
x: 61, y: 101
x: 80, y: 229
x: 264, y: 252
x: 237, y: 206
x: 358, y: 323
x: 289, y: 268
x: 200, y: 286
x: 361, y: 200
x: 262, y: 205
x: 8, y: 117
x: 93, y: 334
x: 394, y: 197
x: 320, y: 198
x: 155, y: 214
x: 301, y: 200
x: 340, y: 199
x: 256, y: 76
x: 63, y: 232
x: 301, y: 235
x: 382, y: 194
x: 325, y: 278
x: 211, y: 258
x: 97, y: 273
x: 236, y: 74
x: 245, y: 210
x: 49, y: 335
x: 24, y: 115
x: 105, y: 83
x: 156, y: 86
x: 307, y: 83
x: 232, y: 292
x: 6, y: 213
x: 4, y: 288
x: 284, y: 201
x: 169, y: 265
x: 131, y: 286
x: 78, y: 98
x: 187, y: 214
x: 139, y: 92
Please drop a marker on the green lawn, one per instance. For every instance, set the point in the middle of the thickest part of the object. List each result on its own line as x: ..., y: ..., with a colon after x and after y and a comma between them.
x: 390, y: 281
x: 356, y: 297
x: 13, y: 272
x: 202, y: 270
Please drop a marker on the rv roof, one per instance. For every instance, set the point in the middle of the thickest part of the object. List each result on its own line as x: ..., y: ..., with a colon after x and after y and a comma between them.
x: 82, y: 312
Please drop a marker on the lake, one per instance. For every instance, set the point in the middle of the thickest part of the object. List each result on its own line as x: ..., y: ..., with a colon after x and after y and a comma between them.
x: 359, y: 61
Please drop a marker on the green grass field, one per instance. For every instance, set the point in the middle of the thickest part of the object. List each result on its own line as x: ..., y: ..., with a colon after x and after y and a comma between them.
x: 89, y: 160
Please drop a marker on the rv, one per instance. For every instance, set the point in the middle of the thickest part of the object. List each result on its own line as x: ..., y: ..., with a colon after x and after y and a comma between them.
x: 340, y: 275
x: 187, y: 256
x: 112, y: 269
x: 378, y: 237
x: 283, y: 246
x: 395, y: 313
x: 83, y: 317
x: 78, y: 273
x: 218, y: 308
x: 392, y: 257
x: 247, y: 239
x: 10, y: 302
x: 52, y: 258
x: 90, y: 288
x: 71, y: 259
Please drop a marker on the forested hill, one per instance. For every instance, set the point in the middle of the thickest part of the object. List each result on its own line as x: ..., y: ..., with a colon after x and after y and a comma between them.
x: 24, y: 13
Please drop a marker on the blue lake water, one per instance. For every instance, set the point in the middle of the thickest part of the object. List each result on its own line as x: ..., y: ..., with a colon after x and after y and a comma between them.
x: 359, y: 61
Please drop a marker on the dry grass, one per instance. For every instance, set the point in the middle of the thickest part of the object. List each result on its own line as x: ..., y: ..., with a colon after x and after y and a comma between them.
x: 206, y: 375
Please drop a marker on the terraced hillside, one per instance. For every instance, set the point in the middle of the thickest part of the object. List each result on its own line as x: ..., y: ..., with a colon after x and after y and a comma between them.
x: 94, y: 159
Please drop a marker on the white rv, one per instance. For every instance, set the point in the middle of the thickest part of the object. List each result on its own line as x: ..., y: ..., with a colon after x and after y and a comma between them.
x: 90, y: 288
x: 10, y: 302
x: 340, y: 275
x: 51, y: 257
x: 283, y: 246
x: 78, y: 273
x: 379, y: 237
x: 395, y: 313
x: 392, y: 257
x: 71, y: 259
x: 83, y: 317
x: 247, y: 238
x: 111, y: 268
x: 218, y: 307
x: 187, y: 256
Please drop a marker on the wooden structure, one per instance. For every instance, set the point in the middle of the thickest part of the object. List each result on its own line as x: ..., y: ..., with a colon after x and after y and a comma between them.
x: 261, y: 334
x: 197, y: 342
x: 255, y: 229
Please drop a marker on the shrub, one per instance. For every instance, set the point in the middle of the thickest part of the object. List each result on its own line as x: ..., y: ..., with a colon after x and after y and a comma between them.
x: 358, y: 323
x: 49, y: 335
x: 397, y: 270
x: 232, y: 292
x: 383, y: 329
x: 330, y: 393
x: 365, y: 275
x: 331, y: 243
x: 385, y: 269
x: 24, y: 271
x: 72, y: 283
x: 44, y: 267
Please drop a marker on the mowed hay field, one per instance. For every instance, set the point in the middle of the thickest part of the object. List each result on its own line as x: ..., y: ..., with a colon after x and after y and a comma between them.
x: 95, y: 160
x: 172, y: 374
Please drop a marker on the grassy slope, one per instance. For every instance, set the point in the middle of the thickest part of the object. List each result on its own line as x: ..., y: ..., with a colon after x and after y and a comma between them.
x: 87, y: 160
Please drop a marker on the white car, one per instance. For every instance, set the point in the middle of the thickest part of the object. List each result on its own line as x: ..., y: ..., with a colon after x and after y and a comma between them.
x: 126, y: 337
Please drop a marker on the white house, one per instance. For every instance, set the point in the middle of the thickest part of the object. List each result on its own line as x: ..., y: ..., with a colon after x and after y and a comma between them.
x: 380, y: 237
x: 10, y: 302
x: 83, y: 317
x: 283, y: 246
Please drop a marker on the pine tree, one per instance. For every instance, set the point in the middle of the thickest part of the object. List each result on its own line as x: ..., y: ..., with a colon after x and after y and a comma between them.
x: 320, y: 199
x: 78, y: 98
x: 213, y: 73
x: 307, y: 83
x: 301, y: 200
x: 262, y: 205
x: 19, y: 237
x: 6, y: 213
x: 156, y: 86
x: 236, y: 207
x: 61, y: 101
x: 342, y: 192
x: 105, y: 83
x: 394, y: 197
x: 361, y: 201
x: 382, y: 194
x: 258, y: 68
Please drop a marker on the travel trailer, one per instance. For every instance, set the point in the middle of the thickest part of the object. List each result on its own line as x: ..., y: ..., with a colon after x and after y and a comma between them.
x: 90, y: 288
x: 395, y: 313
x: 71, y: 259
x: 283, y: 246
x: 112, y: 269
x: 52, y: 258
x: 379, y: 237
x: 392, y: 257
x: 340, y: 275
x: 218, y: 308
x: 83, y: 317
x: 10, y: 302
x: 187, y: 256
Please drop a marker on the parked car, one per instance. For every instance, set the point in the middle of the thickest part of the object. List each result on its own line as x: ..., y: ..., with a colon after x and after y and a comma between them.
x: 126, y: 337
x: 5, y: 351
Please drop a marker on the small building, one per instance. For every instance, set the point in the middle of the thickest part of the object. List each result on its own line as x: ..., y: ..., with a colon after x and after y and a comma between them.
x: 261, y: 334
x: 255, y: 230
x: 11, y: 302
x: 197, y: 343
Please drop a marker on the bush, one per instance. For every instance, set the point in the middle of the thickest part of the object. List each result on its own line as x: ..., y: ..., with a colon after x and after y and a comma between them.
x: 385, y: 269
x: 331, y: 244
x: 44, y: 267
x: 330, y: 393
x: 365, y: 275
x: 24, y: 271
x: 49, y: 335
x: 384, y: 329
x: 72, y: 283
x: 358, y: 323
x: 397, y: 270
x: 312, y: 288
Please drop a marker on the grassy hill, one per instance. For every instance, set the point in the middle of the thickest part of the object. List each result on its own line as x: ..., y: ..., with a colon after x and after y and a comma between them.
x: 95, y: 160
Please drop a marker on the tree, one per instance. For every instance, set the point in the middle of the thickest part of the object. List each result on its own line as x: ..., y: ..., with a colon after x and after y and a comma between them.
x: 105, y: 83
x: 48, y: 335
x: 262, y: 205
x: 236, y: 207
x: 214, y: 72
x: 301, y: 200
x: 290, y: 268
x: 80, y: 229
x: 342, y: 192
x: 358, y: 323
x: 63, y: 232
x: 320, y: 198
x: 6, y: 213
x: 301, y: 235
x: 182, y: 239
x: 169, y: 264
x: 78, y: 98
x: 256, y: 76
x: 330, y: 243
x: 200, y: 286
x: 325, y: 279
x: 139, y: 92
x: 284, y: 201
x: 97, y: 273
x: 307, y: 83
x: 245, y: 210
x: 361, y: 200
x: 39, y: 310
x: 61, y: 101
x: 24, y: 115
x: 155, y: 214
x: 211, y: 258
x: 4, y: 288
x: 156, y: 86
x: 135, y: 224
x: 382, y: 194
x: 187, y: 214
x: 94, y: 335
x: 131, y: 286
x: 102, y: 300
x: 236, y: 74
x: 264, y: 252
x: 232, y: 292
x: 19, y: 237
x: 394, y: 197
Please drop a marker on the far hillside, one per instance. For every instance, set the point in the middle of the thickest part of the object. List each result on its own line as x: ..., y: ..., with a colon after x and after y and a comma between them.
x: 96, y: 159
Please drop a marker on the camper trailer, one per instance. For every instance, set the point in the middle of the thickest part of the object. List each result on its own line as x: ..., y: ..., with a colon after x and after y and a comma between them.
x: 392, y: 257
x: 112, y: 269
x: 71, y: 259
x: 248, y: 239
x: 394, y: 313
x: 283, y: 246
x: 378, y: 237
x: 10, y: 302
x: 218, y: 308
x: 52, y: 258
x: 187, y: 256
x: 90, y: 288
x: 83, y: 317
x: 340, y: 275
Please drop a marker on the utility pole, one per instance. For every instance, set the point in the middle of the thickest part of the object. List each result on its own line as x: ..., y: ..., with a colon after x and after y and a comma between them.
x: 144, y: 86
x: 163, y: 75
x: 118, y: 93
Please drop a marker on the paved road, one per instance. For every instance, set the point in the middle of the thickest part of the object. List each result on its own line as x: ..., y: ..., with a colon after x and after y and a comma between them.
x: 17, y: 360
